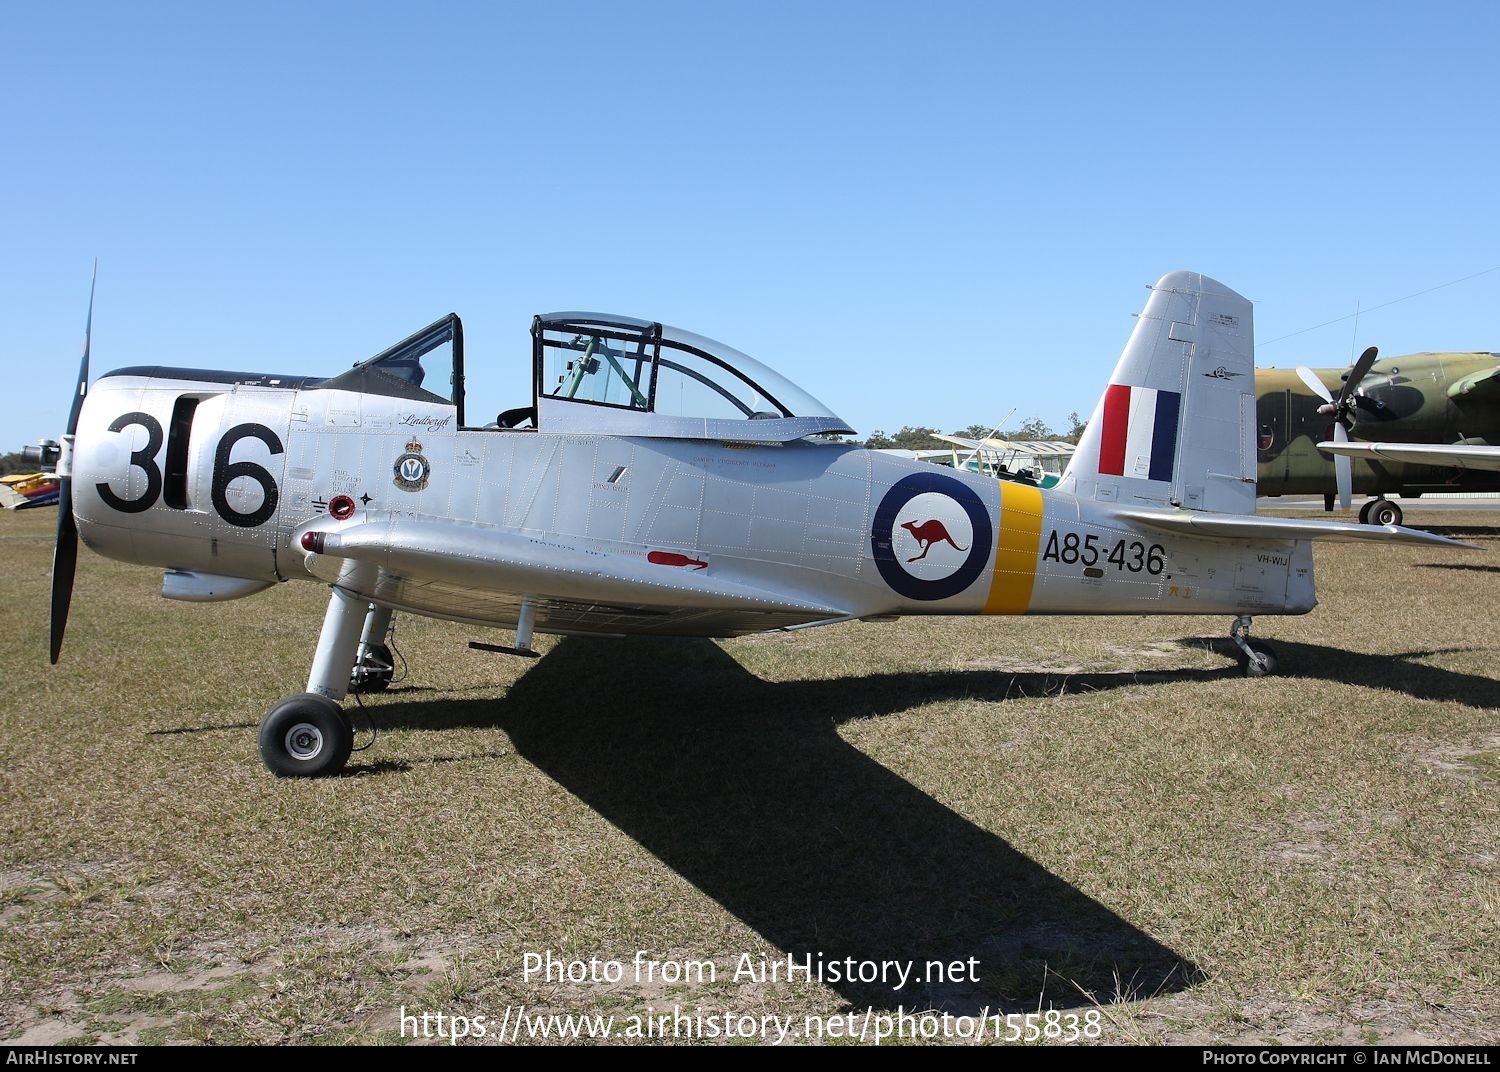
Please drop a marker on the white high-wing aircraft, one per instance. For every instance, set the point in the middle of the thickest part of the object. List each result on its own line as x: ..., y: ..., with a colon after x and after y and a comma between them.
x: 671, y: 485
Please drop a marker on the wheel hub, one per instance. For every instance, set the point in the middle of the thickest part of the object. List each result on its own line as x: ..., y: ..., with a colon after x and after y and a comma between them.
x: 304, y: 741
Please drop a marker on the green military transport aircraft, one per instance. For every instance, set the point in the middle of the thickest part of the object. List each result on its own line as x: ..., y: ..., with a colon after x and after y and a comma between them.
x: 1439, y: 407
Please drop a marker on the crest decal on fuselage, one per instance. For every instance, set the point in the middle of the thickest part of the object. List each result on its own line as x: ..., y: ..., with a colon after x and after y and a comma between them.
x: 412, y: 469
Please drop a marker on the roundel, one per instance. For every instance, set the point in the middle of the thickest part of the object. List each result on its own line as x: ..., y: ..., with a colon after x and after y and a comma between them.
x: 931, y: 536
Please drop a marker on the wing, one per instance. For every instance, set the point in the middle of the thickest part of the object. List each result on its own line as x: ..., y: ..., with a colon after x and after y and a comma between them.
x: 480, y: 574
x: 1454, y: 456
x: 960, y: 441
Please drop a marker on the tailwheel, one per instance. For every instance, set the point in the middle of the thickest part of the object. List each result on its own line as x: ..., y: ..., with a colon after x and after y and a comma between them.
x: 306, y: 736
x: 1261, y: 661
x: 1256, y: 657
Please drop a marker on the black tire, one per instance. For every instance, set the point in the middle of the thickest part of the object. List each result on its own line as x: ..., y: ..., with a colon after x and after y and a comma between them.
x: 1364, y: 511
x: 1264, y: 662
x: 1385, y: 512
x: 306, y: 736
x: 375, y: 671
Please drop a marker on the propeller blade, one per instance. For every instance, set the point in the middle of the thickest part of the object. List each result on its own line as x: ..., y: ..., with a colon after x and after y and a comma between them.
x: 65, y: 553
x: 1315, y: 385
x: 1357, y: 373
x: 64, y: 563
x: 1342, y: 467
x: 83, y: 366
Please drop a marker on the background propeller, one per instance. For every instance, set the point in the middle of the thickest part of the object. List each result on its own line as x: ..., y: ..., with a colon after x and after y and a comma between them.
x: 1341, y: 409
x: 65, y: 554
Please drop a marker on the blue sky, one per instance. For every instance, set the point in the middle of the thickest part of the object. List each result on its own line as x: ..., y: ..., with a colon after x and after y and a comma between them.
x: 924, y: 214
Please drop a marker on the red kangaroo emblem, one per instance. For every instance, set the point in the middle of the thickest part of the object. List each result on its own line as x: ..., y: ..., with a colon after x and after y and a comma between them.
x: 927, y: 534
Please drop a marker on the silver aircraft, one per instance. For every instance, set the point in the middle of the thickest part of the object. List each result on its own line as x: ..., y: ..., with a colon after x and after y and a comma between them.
x: 658, y: 482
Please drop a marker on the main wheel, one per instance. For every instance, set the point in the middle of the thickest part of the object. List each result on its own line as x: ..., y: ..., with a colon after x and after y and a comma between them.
x: 374, y: 672
x: 1385, y: 512
x: 1262, y: 660
x: 1364, y: 511
x: 306, y: 736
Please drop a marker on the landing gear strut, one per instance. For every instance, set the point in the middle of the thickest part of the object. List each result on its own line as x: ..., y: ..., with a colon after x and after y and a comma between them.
x: 374, y: 665
x: 308, y: 735
x: 1257, y: 658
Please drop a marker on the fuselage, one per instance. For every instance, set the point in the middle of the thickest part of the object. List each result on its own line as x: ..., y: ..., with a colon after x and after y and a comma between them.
x: 217, y: 474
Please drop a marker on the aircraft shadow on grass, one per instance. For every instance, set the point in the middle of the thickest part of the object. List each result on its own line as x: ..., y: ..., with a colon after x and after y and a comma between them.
x: 1399, y: 672
x: 1468, y: 567
x: 745, y: 788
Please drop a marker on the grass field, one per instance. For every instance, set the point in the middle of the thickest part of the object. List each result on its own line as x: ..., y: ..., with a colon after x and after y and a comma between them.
x: 1101, y: 812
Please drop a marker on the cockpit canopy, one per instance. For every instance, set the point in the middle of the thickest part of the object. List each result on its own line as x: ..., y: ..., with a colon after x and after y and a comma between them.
x: 400, y: 371
x: 610, y: 374
x: 602, y: 374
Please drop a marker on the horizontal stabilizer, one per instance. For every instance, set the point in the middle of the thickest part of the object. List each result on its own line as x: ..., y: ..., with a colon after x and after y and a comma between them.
x: 1249, y: 527
x: 1453, y: 455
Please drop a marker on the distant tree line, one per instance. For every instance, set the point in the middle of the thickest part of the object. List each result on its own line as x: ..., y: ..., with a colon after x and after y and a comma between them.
x: 921, y: 437
x: 14, y: 463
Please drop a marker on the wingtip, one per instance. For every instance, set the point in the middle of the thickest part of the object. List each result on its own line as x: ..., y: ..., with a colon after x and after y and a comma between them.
x: 1410, y: 535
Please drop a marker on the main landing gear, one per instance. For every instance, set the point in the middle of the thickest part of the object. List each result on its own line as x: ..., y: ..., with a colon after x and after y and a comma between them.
x: 1257, y: 658
x: 1380, y: 512
x: 309, y: 735
x: 1376, y: 511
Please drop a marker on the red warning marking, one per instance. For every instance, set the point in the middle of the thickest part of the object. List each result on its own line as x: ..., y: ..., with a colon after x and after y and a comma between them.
x: 672, y: 558
x: 341, y: 507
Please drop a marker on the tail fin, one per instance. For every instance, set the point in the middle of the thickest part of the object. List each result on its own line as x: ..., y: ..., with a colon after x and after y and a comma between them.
x: 1176, y: 425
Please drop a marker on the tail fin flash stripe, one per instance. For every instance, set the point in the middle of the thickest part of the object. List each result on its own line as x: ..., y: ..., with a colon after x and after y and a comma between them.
x: 1164, y: 435
x: 1020, y: 539
x: 1139, y: 437
x: 1116, y: 421
x: 1140, y: 431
